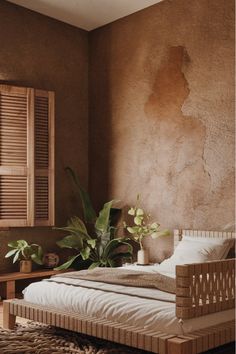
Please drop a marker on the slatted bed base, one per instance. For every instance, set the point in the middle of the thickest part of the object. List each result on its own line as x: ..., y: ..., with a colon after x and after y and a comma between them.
x: 156, y: 342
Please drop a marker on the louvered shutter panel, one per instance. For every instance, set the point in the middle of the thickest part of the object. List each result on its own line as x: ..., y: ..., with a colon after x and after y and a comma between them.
x: 44, y: 157
x: 26, y: 157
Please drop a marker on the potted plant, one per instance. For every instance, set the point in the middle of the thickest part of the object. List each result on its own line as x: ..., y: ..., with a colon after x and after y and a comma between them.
x: 25, y: 253
x: 141, y: 228
x: 98, y: 246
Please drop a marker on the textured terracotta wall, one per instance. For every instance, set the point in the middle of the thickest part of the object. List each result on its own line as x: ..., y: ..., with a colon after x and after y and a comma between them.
x: 162, y: 114
x: 43, y: 53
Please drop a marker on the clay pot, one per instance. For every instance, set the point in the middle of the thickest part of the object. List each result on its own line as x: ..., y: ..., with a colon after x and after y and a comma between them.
x: 143, y: 256
x: 26, y: 266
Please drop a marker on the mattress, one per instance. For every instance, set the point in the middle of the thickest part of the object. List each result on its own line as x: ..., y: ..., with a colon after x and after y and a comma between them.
x: 151, y: 309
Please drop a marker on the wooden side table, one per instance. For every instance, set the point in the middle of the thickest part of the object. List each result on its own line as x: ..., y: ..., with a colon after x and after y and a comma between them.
x: 9, y: 279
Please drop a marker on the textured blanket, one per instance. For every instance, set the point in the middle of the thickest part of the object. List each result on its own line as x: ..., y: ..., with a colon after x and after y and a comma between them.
x: 125, y: 277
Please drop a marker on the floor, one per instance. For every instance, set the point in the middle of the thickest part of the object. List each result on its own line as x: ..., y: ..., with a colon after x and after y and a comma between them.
x: 227, y: 349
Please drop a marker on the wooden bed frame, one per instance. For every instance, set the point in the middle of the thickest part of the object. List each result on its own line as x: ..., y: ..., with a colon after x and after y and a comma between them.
x: 201, y: 289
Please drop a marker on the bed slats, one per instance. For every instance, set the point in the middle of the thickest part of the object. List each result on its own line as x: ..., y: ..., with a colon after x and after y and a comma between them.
x: 141, y: 338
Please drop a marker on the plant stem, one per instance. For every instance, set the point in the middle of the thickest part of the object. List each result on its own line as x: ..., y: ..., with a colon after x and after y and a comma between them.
x: 140, y: 242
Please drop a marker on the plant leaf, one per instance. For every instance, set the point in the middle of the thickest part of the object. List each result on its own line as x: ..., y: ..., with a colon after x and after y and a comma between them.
x: 155, y: 225
x: 10, y: 253
x: 164, y: 232
x: 88, y: 210
x: 94, y: 265
x: 67, y: 264
x: 76, y: 226
x: 35, y: 257
x: 16, y: 257
x: 13, y: 244
x: 131, y: 211
x: 103, y: 220
x: 92, y: 242
x: 22, y: 244
x: 85, y: 252
x: 110, y: 262
x: 114, y: 244
x: 138, y: 220
x: 121, y: 255
x: 131, y: 230
x: 139, y: 212
x: 71, y: 241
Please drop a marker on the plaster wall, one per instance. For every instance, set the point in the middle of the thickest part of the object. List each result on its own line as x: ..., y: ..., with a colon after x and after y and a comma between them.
x: 162, y: 114
x: 40, y: 52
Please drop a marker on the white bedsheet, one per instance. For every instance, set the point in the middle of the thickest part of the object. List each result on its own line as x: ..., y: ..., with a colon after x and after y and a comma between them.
x: 133, y: 308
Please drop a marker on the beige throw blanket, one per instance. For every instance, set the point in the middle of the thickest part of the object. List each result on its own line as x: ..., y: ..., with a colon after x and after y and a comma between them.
x: 125, y: 277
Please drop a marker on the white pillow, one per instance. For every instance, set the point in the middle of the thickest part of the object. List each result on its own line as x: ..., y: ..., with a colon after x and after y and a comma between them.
x: 195, y: 250
x: 226, y: 244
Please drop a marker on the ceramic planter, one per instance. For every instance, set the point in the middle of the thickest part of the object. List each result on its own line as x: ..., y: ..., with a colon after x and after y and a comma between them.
x: 26, y: 266
x: 143, y: 257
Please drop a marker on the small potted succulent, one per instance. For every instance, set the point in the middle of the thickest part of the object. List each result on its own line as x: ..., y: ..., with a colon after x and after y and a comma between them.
x: 141, y: 228
x: 25, y: 253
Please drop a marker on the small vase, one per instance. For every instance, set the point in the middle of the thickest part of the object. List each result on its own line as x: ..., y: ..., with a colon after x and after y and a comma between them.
x: 143, y: 257
x: 26, y: 266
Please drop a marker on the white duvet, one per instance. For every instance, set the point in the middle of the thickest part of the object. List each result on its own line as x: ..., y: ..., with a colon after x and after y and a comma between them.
x: 148, y: 308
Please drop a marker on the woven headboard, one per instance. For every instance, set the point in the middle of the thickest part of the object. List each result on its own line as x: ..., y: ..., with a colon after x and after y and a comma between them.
x: 178, y: 234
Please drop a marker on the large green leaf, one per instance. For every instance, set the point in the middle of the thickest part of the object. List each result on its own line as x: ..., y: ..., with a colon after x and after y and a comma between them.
x: 71, y: 241
x: 76, y: 226
x: 67, y: 264
x: 92, y: 242
x: 114, y: 244
x: 119, y: 255
x: 85, y: 253
x: 103, y: 221
x: 88, y: 210
x: 94, y: 265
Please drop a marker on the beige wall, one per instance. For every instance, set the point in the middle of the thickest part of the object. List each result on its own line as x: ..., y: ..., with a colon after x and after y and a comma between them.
x: 162, y: 113
x: 43, y: 53
x: 161, y: 110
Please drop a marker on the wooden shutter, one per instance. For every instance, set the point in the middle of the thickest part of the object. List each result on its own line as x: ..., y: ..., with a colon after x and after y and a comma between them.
x: 26, y: 157
x: 44, y: 158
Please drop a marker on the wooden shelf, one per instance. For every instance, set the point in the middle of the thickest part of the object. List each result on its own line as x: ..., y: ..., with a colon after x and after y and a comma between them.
x: 34, y: 274
x: 8, y: 280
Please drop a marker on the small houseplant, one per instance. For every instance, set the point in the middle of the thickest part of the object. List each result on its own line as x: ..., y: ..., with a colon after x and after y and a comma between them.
x: 98, y: 246
x: 25, y: 253
x: 141, y: 228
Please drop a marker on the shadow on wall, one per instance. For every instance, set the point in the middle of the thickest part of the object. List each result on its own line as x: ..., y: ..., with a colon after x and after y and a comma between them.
x: 100, y: 135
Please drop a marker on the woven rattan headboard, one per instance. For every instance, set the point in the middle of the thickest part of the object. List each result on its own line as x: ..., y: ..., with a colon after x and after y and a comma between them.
x: 178, y: 234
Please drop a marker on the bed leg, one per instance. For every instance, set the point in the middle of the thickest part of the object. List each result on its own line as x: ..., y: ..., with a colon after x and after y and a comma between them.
x: 178, y: 345
x: 9, y: 320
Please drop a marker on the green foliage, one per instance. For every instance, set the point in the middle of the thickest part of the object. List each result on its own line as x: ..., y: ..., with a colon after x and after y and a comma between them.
x: 88, y: 210
x: 141, y: 226
x: 99, y: 245
x: 22, y: 250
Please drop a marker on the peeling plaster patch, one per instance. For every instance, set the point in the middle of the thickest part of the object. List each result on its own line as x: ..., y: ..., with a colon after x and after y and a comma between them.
x: 179, y: 139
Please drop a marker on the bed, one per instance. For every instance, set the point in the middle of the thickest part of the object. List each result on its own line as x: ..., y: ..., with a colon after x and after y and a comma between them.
x: 192, y: 321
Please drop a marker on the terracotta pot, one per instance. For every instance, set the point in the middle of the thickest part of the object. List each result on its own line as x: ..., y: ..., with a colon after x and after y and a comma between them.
x: 26, y: 266
x: 143, y: 256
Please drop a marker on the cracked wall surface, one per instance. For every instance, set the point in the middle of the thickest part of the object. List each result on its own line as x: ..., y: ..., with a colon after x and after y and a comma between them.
x: 162, y: 114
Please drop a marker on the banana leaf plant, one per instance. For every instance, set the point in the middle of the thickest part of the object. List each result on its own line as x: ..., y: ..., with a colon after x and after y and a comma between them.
x: 99, y: 245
